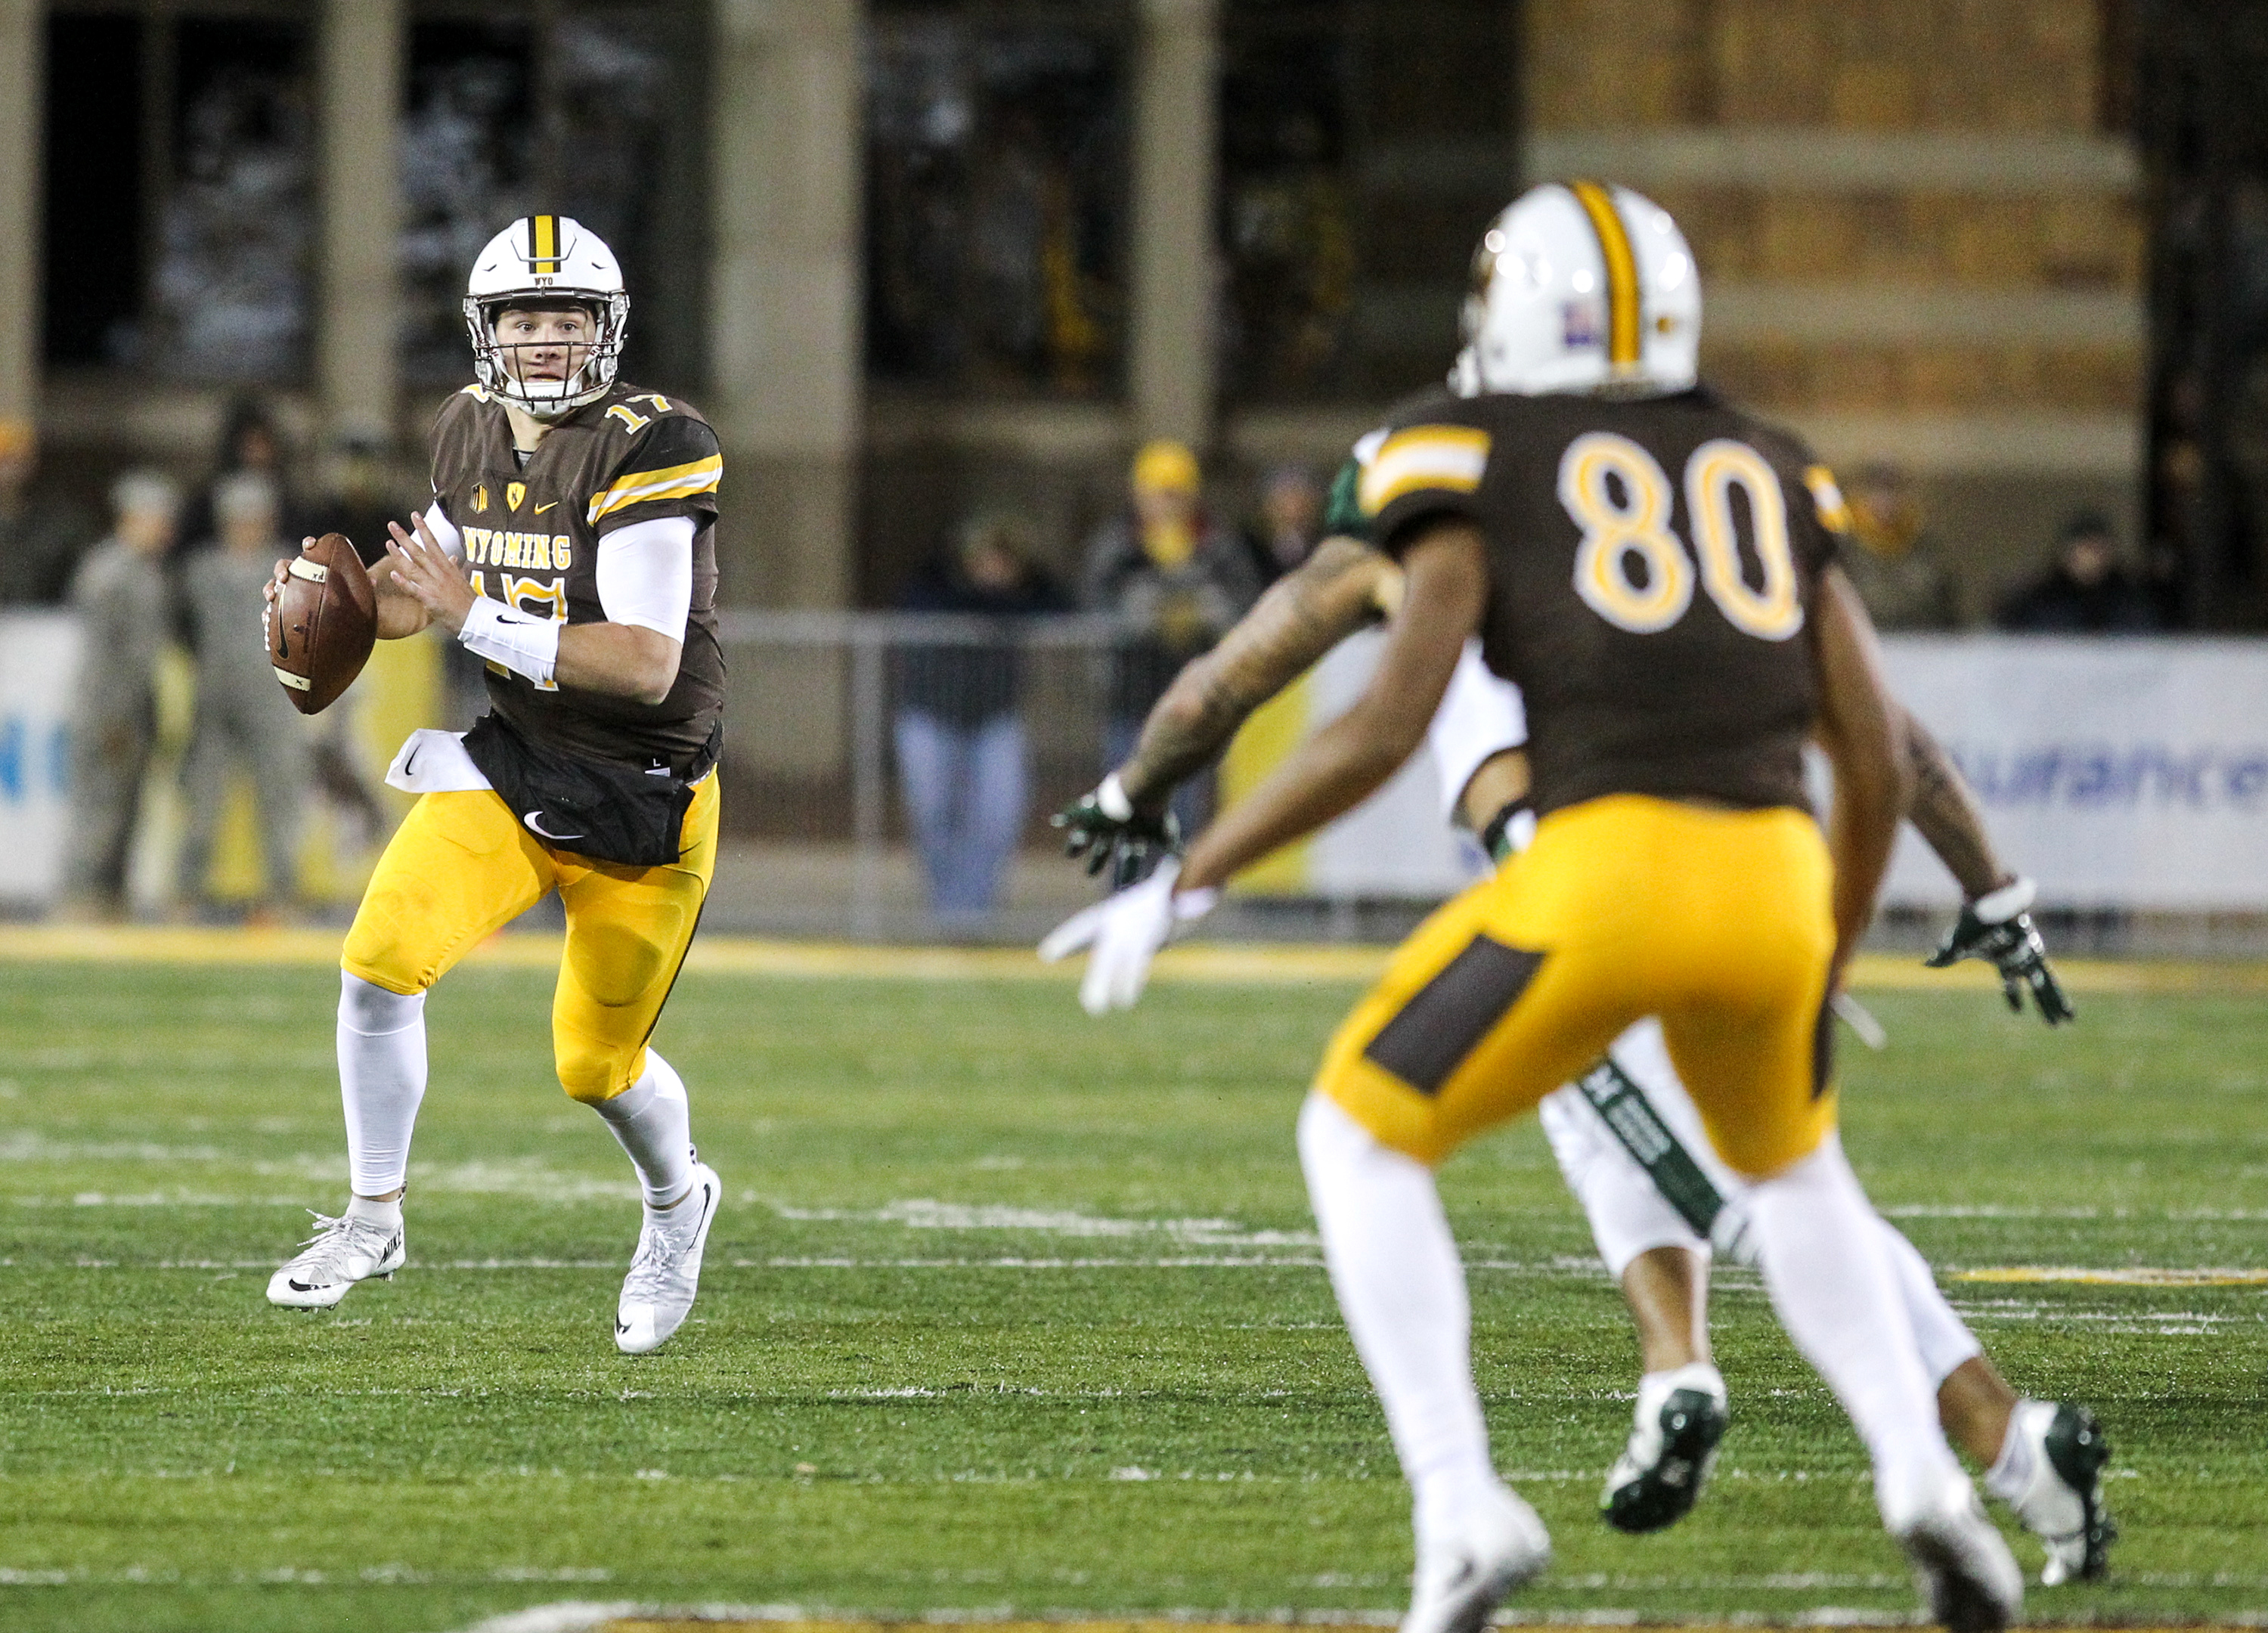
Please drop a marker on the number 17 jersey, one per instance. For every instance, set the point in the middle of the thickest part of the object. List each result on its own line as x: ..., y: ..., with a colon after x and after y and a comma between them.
x: 1652, y: 563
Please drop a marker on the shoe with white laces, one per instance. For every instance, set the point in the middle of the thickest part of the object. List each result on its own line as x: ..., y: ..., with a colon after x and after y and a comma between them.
x: 666, y: 1271
x: 1965, y: 1573
x: 340, y: 1253
x: 1496, y: 1545
x: 1680, y: 1417
x: 2050, y: 1473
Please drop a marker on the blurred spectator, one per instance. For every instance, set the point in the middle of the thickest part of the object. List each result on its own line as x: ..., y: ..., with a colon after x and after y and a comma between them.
x: 249, y: 441
x: 2085, y: 589
x: 119, y: 592
x: 1290, y: 522
x: 1177, y: 579
x: 243, y: 719
x: 356, y: 501
x: 40, y: 537
x: 963, y: 757
x: 1897, y: 568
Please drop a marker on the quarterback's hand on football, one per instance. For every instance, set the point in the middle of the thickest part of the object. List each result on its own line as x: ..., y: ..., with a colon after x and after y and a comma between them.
x: 1121, y: 933
x: 1104, y: 826
x: 1997, y: 927
x: 425, y: 571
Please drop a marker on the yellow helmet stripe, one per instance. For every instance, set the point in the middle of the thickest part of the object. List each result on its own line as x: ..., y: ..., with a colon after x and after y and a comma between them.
x: 1622, y: 270
x: 544, y: 241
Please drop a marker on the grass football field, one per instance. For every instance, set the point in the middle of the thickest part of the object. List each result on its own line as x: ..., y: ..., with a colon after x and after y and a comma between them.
x: 1011, y: 1312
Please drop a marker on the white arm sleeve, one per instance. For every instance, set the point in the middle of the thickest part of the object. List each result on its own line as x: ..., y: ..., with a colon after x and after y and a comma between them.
x: 444, y: 531
x: 645, y: 574
x: 502, y: 635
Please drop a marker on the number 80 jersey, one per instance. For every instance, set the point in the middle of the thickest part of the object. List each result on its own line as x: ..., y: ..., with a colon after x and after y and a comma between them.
x: 1651, y: 564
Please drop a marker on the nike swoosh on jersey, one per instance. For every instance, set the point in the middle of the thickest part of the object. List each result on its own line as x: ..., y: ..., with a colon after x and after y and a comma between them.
x: 552, y: 506
x: 542, y: 832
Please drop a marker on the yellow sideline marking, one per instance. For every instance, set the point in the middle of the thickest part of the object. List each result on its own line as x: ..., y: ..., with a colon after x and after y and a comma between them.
x: 1229, y: 963
x: 2133, y: 1276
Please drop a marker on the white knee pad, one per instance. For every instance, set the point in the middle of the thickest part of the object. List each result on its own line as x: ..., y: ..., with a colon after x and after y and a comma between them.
x: 372, y: 1011
x: 1627, y: 1215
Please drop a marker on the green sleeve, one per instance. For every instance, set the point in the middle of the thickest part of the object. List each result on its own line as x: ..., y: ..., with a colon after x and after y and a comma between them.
x: 1343, y: 510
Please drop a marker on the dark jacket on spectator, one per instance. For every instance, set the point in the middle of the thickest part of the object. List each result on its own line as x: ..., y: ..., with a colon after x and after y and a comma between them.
x: 967, y: 685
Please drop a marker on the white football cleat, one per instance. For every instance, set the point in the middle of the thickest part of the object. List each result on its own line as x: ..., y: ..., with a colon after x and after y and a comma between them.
x: 340, y: 1253
x: 666, y: 1271
x: 2050, y: 1473
x: 1498, y: 1545
x: 1964, y: 1570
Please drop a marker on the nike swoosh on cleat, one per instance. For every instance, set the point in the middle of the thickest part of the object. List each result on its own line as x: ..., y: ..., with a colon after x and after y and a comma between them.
x: 621, y: 1327
x: 542, y: 832
x: 305, y: 1287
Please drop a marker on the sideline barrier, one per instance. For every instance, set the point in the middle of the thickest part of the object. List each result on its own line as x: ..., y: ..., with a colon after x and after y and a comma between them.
x: 2128, y: 774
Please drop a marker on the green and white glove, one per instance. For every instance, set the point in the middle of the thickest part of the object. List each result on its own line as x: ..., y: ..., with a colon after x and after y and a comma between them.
x: 1103, y: 826
x: 1998, y: 927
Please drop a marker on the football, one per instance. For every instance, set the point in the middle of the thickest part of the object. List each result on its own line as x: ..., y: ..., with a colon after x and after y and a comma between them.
x: 322, y: 623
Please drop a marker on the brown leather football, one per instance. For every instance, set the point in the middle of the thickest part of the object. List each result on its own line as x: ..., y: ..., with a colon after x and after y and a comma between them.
x: 322, y: 624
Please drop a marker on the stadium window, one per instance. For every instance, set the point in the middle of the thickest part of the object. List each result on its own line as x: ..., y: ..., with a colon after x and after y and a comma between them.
x: 190, y: 228
x: 1364, y: 145
x: 995, y: 182
x: 590, y: 111
x: 93, y: 270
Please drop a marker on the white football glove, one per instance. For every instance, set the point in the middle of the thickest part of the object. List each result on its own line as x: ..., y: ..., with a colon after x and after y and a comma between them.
x: 1122, y: 933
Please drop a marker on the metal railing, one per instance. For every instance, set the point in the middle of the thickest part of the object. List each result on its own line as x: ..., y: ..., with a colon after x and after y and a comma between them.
x: 813, y: 776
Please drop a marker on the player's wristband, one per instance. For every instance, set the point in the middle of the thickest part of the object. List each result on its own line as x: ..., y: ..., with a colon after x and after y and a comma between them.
x: 1110, y: 799
x: 1998, y: 906
x: 1499, y: 838
x: 525, y: 645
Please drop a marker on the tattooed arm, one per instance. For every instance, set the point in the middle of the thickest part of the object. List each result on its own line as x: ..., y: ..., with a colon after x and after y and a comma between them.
x: 1944, y: 812
x: 1340, y: 588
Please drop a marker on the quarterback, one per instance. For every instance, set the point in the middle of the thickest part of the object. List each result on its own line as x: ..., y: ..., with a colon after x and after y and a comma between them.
x: 570, y: 543
x: 1676, y: 640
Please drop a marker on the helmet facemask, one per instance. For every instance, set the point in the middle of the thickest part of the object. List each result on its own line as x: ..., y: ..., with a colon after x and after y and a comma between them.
x: 546, y: 399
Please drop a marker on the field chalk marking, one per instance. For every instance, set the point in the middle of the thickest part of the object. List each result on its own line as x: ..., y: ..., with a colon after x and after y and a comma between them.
x: 2129, y: 1276
x: 1226, y: 963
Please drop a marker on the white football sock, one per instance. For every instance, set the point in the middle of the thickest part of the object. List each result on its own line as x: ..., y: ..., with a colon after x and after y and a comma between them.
x: 1939, y: 1336
x: 1836, y: 1294
x: 381, y: 1079
x: 1394, y: 1268
x: 655, y: 1125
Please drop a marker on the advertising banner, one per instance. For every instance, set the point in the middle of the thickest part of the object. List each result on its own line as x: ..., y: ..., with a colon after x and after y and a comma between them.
x: 2117, y: 772
x: 39, y: 675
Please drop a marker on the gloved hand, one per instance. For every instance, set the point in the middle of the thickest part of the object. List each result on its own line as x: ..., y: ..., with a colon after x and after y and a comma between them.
x: 1124, y: 932
x: 1997, y: 927
x: 1103, y: 826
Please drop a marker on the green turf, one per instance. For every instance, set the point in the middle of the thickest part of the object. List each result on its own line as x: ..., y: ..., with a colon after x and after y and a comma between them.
x: 1008, y: 1309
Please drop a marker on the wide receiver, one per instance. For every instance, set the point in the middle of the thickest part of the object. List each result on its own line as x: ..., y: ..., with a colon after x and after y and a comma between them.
x: 1627, y: 1137
x: 570, y: 543
x: 1676, y: 640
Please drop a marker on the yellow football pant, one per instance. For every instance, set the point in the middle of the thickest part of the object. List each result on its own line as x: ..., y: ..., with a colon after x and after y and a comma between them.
x: 461, y: 867
x: 1718, y: 921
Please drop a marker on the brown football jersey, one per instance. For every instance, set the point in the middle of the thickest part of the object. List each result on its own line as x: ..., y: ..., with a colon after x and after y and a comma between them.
x: 532, y: 541
x: 1651, y: 564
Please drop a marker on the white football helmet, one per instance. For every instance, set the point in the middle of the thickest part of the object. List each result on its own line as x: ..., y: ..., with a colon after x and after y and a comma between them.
x: 545, y: 261
x: 1581, y: 286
